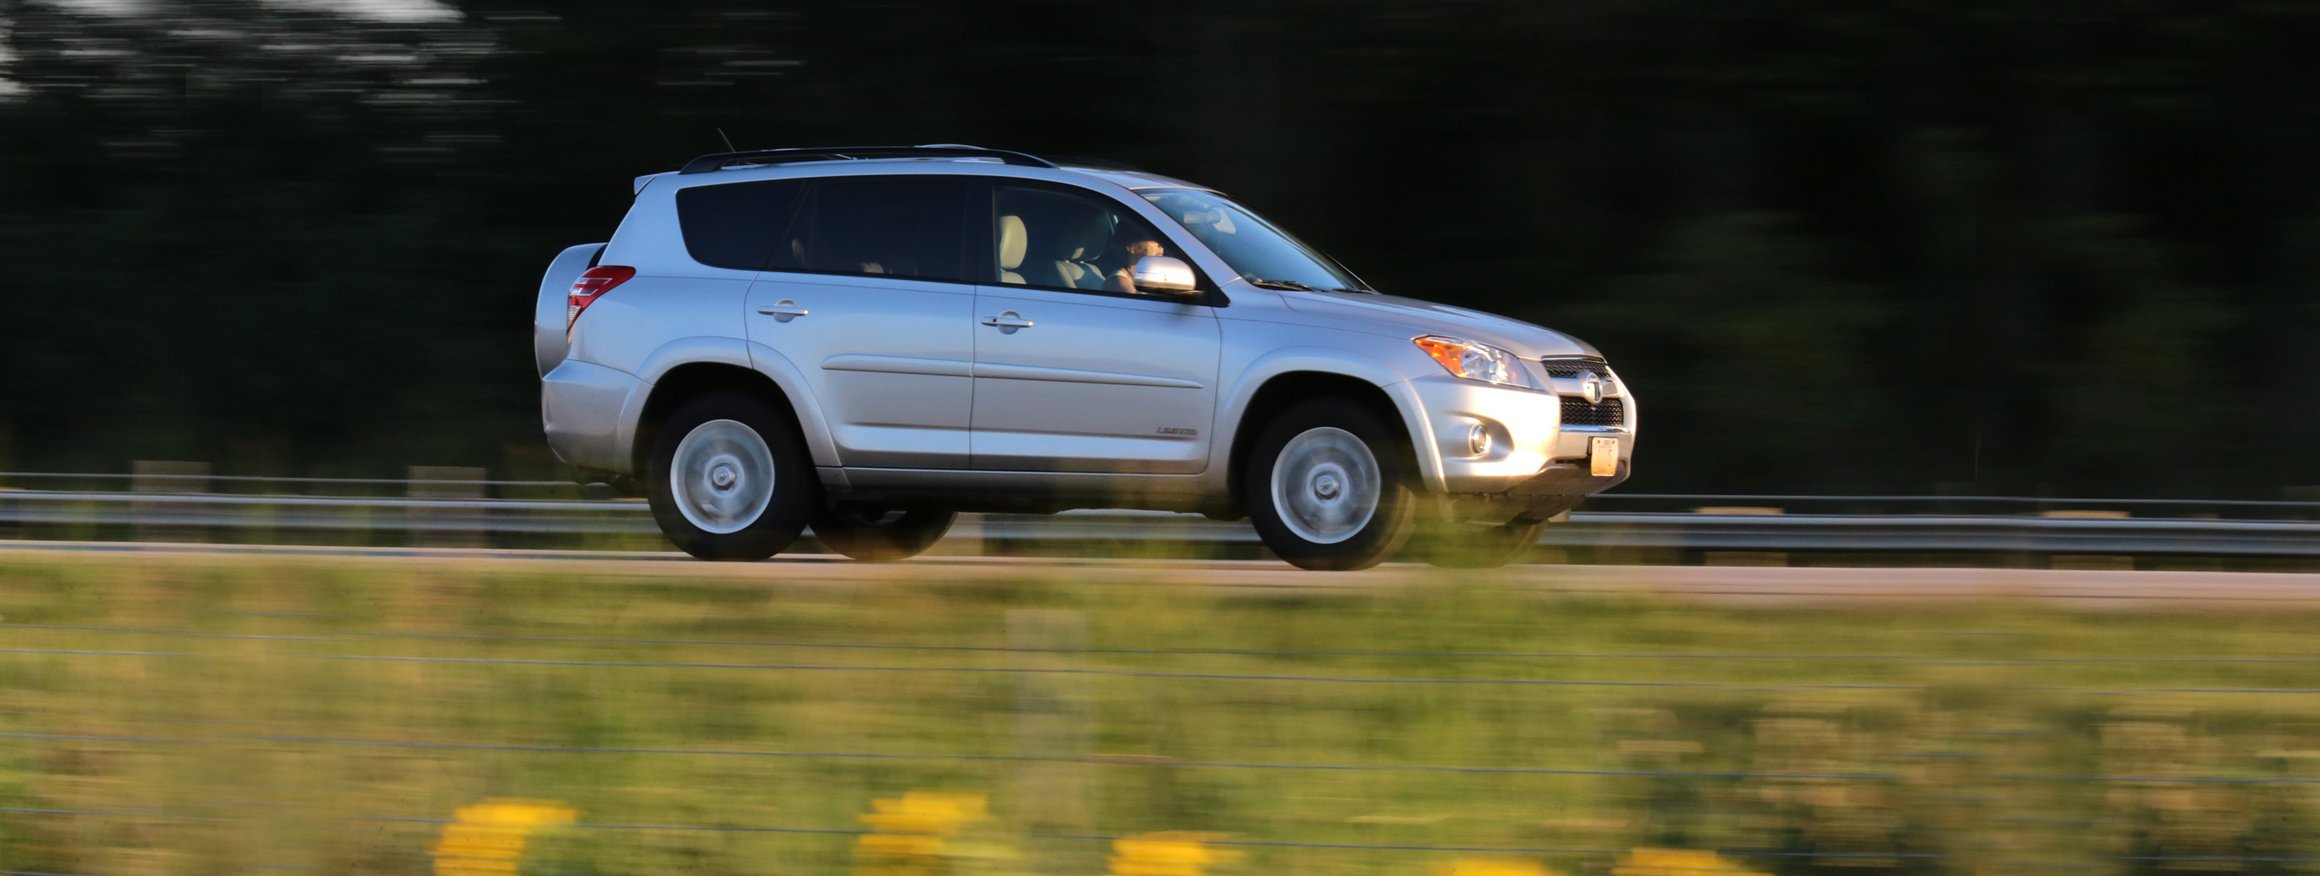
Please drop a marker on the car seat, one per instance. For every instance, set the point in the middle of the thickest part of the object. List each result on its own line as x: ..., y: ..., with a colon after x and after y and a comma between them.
x: 1012, y: 242
x: 1076, y: 248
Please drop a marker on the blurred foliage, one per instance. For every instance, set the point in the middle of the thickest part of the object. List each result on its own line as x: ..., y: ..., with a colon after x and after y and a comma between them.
x: 238, y: 715
x: 1906, y: 245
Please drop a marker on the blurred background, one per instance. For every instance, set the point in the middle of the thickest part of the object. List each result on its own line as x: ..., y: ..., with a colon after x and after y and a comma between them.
x: 1929, y: 248
x: 1917, y: 247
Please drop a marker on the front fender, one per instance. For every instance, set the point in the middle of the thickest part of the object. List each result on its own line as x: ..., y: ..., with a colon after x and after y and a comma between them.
x: 1234, y: 409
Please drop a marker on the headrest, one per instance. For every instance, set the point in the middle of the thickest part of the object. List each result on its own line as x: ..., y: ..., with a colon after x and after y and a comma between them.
x: 1082, y: 237
x: 1011, y: 242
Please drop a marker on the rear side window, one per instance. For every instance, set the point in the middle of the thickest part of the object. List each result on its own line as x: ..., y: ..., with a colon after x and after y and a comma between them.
x: 897, y: 227
x: 736, y: 225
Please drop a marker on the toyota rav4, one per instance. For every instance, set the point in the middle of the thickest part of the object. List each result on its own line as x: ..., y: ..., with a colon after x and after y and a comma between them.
x: 871, y: 340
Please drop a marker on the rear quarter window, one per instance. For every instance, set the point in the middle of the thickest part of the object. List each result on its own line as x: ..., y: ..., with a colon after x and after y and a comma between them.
x: 735, y: 225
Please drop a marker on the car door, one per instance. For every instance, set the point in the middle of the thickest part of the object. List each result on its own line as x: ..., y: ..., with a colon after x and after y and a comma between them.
x: 1073, y: 373
x: 868, y: 296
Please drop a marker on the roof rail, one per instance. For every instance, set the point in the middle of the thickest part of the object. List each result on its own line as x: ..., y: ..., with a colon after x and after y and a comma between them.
x: 717, y: 161
x: 1094, y: 163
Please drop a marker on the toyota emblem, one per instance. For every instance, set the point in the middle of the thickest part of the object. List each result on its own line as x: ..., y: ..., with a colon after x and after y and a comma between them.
x: 1591, y: 388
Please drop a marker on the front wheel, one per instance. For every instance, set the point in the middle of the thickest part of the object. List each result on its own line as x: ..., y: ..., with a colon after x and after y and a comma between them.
x: 881, y: 535
x: 730, y: 479
x: 1328, y: 488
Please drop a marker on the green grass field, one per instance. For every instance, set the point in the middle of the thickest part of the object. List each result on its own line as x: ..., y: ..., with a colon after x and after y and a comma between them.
x: 222, y: 716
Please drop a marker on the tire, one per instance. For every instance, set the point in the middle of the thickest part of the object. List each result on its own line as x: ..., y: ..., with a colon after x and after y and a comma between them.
x: 1343, y: 499
x: 881, y: 535
x: 768, y: 483
x: 1466, y: 546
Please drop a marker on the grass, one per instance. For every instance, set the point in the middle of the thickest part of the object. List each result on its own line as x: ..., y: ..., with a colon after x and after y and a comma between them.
x: 221, y: 716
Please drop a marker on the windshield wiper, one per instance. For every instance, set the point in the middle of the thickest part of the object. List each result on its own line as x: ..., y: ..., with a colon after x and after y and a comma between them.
x: 1263, y: 283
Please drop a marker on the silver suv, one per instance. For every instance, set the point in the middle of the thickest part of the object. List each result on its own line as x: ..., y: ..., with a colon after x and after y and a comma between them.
x: 871, y: 340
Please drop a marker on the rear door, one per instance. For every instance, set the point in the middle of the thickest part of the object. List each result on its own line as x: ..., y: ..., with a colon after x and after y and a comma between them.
x: 1073, y: 372
x: 869, y: 297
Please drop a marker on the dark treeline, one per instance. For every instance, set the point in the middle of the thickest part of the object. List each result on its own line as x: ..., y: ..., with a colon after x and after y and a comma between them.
x: 2057, y: 247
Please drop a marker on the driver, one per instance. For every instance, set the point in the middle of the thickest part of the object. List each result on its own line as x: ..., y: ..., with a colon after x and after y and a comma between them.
x: 1124, y: 279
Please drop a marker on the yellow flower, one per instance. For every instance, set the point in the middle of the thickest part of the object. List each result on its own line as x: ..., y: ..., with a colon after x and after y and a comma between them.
x: 909, y: 831
x: 487, y: 839
x: 1678, y: 862
x: 1168, y: 853
x: 1493, y: 867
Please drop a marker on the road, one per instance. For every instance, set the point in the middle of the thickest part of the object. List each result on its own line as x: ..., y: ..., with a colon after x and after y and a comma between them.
x: 1752, y: 584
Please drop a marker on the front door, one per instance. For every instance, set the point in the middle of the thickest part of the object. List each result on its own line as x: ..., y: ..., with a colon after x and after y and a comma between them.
x: 1075, y: 371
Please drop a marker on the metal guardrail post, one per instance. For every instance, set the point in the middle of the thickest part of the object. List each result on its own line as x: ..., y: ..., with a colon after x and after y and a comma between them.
x: 159, y: 476
x: 2090, y: 562
x: 434, y: 526
x: 1742, y: 558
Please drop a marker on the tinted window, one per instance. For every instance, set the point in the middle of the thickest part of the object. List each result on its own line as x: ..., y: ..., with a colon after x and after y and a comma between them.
x: 735, y: 225
x: 912, y: 228
x: 1068, y: 240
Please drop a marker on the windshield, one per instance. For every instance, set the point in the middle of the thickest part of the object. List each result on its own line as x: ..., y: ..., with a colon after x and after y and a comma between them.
x: 1259, y: 252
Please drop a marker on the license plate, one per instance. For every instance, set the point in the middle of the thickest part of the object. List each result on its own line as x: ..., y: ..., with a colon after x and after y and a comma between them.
x: 1603, y: 457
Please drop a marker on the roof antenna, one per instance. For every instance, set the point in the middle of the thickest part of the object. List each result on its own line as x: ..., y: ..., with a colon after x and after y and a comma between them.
x: 728, y: 140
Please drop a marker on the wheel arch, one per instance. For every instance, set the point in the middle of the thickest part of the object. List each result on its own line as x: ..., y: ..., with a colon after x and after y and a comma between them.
x: 695, y: 379
x: 1281, y: 390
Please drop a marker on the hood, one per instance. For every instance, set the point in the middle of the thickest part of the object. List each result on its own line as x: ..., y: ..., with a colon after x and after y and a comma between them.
x: 1427, y: 318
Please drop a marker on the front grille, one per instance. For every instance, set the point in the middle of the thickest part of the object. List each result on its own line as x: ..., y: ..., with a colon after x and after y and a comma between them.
x: 1577, y: 412
x: 1571, y: 368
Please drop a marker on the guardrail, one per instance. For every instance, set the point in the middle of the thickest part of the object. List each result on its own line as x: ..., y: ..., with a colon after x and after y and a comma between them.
x: 1713, y: 523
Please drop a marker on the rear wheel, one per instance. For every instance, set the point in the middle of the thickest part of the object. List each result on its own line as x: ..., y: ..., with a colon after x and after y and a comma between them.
x: 1328, y: 487
x: 881, y: 535
x: 730, y: 480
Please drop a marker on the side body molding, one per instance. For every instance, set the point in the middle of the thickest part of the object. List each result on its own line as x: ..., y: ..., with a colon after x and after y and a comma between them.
x: 898, y: 365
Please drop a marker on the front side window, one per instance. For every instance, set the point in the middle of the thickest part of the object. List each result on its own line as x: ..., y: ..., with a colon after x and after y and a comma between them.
x: 903, y: 228
x: 734, y: 225
x: 1260, y: 252
x: 1059, y: 239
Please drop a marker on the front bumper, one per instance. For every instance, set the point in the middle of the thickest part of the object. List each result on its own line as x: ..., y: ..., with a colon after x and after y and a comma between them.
x: 1531, y: 454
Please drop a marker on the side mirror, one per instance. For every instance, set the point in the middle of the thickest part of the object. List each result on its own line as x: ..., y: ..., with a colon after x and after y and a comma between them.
x: 1164, y: 274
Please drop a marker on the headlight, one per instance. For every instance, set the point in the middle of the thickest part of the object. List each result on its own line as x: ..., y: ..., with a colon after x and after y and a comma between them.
x: 1475, y: 361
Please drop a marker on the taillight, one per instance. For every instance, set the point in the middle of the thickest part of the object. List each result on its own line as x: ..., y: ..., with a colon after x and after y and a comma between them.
x: 593, y: 283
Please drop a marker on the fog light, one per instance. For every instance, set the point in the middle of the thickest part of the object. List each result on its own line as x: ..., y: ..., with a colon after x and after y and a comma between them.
x: 1478, y: 440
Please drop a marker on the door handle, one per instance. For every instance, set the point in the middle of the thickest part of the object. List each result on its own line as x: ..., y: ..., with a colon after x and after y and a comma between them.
x: 1007, y: 322
x: 783, y: 310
